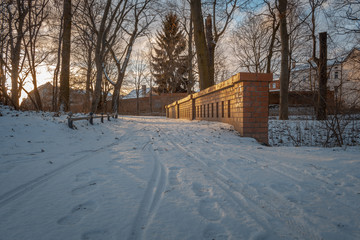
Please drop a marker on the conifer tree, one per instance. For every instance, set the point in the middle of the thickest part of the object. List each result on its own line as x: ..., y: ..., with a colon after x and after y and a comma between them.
x: 169, y: 63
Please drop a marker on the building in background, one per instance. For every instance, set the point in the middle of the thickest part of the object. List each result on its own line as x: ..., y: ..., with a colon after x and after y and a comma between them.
x: 343, y: 79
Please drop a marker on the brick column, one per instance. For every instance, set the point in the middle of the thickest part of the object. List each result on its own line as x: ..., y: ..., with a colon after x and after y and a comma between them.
x: 252, y: 103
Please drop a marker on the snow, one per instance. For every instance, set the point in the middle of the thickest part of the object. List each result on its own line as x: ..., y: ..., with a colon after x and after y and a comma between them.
x: 302, y: 130
x: 157, y: 178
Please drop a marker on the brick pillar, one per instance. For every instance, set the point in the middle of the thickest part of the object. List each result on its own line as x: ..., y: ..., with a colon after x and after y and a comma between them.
x: 253, y: 101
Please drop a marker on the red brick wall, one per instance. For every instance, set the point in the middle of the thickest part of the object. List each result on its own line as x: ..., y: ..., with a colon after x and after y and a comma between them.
x: 128, y: 106
x: 241, y: 101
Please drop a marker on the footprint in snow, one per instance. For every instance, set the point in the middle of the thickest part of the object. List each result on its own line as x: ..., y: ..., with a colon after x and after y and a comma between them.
x: 174, y: 175
x: 6, y: 168
x: 84, y: 176
x: 77, y: 213
x: 215, y: 231
x: 283, y: 187
x: 97, y: 235
x: 200, y: 190
x: 210, y: 210
x: 88, y: 187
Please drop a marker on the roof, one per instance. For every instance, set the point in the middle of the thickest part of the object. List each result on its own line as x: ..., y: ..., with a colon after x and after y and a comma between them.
x: 132, y: 94
x: 330, y: 62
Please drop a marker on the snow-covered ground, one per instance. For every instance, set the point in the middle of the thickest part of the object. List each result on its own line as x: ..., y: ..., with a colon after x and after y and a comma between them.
x: 158, y: 178
x: 304, y: 131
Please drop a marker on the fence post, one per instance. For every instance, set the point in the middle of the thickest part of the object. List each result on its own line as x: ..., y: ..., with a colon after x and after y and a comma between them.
x: 108, y: 116
x: 102, y: 117
x: 91, y: 120
x: 70, y: 121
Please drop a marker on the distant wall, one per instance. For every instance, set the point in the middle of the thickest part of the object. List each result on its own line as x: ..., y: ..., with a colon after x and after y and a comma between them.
x: 301, y: 98
x: 128, y: 106
x: 241, y: 101
x: 77, y: 100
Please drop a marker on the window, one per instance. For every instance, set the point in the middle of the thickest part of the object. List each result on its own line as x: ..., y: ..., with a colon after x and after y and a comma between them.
x: 228, y: 108
x: 212, y: 110
x: 222, y: 109
x: 336, y: 75
x: 217, y: 110
x: 274, y: 85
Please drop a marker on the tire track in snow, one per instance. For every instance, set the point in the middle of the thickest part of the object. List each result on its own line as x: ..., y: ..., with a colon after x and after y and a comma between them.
x: 298, y: 177
x: 32, y: 184
x: 151, y: 198
x: 300, y: 224
x: 247, y: 199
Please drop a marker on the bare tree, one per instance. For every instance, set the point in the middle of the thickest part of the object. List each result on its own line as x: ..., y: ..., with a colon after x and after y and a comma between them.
x: 275, y: 24
x: 250, y: 43
x: 112, y: 20
x: 284, y: 71
x: 84, y: 42
x: 184, y: 12
x: 102, y: 29
x: 347, y: 15
x: 143, y: 16
x: 64, y: 100
x: 3, y: 25
x: 321, y: 62
x: 14, y: 14
x: 139, y: 75
x: 33, y: 42
x: 54, y: 31
x: 217, y: 21
x: 285, y: 9
x: 202, y: 53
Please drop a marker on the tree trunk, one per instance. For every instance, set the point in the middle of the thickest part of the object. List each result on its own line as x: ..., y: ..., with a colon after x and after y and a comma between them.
x: 322, y: 73
x: 116, y: 95
x: 275, y: 27
x: 284, y: 71
x: 88, y: 79
x: 137, y: 102
x: 121, y: 73
x: 64, y: 101
x: 56, y: 71
x: 190, y: 60
x: 15, y: 62
x: 97, y: 91
x: 200, y: 43
x: 37, y: 94
x: 3, y: 93
x: 99, y: 58
x: 55, y: 80
x: 2, y: 84
x: 211, y: 48
x: 150, y: 99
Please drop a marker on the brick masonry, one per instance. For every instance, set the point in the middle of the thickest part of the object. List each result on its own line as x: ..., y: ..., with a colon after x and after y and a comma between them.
x: 128, y: 106
x: 241, y: 101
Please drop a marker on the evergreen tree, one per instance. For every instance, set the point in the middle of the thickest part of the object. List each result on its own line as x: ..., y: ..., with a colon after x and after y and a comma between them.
x: 169, y: 64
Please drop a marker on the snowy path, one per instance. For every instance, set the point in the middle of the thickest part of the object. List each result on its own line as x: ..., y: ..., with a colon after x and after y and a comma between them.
x: 155, y: 178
